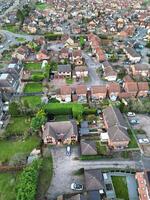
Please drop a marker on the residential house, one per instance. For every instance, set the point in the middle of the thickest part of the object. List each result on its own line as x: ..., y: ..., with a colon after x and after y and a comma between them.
x: 94, y: 181
x: 77, y: 57
x: 42, y: 55
x: 116, y: 127
x: 64, y: 132
x: 143, y: 89
x: 81, y: 91
x: 131, y: 88
x: 8, y: 82
x: 142, y: 186
x: 140, y: 69
x: 113, y: 90
x: 81, y: 72
x: 21, y: 53
x: 100, y: 55
x: 64, y: 53
x: 109, y: 73
x: 88, y: 147
x: 64, y: 71
x: 98, y: 92
x: 65, y: 93
x: 132, y: 55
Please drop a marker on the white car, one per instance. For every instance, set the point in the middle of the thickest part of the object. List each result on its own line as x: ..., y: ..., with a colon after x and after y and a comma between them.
x: 77, y: 186
x: 131, y: 114
x: 1, y: 46
x: 144, y: 141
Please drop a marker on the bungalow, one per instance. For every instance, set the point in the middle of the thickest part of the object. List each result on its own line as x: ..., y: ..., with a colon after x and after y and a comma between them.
x: 81, y: 72
x: 8, y: 82
x: 65, y: 93
x: 98, y: 92
x: 132, y: 55
x: 64, y: 132
x: 116, y: 127
x: 143, y: 89
x: 64, y: 70
x: 140, y: 69
x: 109, y: 73
x: 88, y: 147
x: 113, y: 90
x: 131, y: 88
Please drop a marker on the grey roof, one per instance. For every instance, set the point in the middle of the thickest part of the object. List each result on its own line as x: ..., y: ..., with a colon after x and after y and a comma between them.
x: 84, y: 131
x: 64, y: 68
x: 84, y: 124
x: 114, y: 117
x: 118, y: 134
x: 140, y: 66
x: 88, y: 148
x: 132, y: 52
x: 60, y: 130
x: 94, y: 195
x: 93, y: 179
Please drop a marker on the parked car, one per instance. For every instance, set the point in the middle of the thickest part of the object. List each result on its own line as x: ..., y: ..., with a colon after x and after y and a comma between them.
x: 144, y: 141
x: 77, y: 186
x: 131, y: 114
x: 68, y: 151
x: 134, y: 121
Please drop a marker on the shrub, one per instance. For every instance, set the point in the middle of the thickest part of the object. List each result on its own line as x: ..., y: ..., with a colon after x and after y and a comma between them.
x: 27, y: 186
x: 37, y: 77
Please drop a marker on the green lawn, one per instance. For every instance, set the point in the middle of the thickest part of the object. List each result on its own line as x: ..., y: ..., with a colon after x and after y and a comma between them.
x: 41, y: 6
x: 18, y: 126
x: 20, y: 39
x: 32, y: 66
x: 7, y: 185
x: 33, y: 101
x: 45, y: 176
x: 120, y: 186
x: 132, y: 143
x: 69, y: 81
x: 101, y: 149
x: 9, y: 148
x: 33, y: 87
x: 11, y: 28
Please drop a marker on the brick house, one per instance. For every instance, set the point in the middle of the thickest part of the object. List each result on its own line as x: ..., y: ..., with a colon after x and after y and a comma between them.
x: 113, y: 90
x: 81, y: 72
x: 64, y: 53
x: 64, y: 132
x: 140, y: 69
x: 64, y: 71
x: 109, y: 73
x: 143, y: 89
x: 116, y: 127
x: 81, y: 90
x: 131, y: 88
x: 77, y: 57
x: 65, y: 92
x: 98, y: 92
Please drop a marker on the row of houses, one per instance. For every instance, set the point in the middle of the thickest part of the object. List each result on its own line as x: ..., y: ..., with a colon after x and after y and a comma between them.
x: 111, y: 90
x: 10, y: 77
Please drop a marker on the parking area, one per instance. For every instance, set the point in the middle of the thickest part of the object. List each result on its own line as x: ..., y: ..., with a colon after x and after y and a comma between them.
x: 64, y: 169
x: 144, y: 124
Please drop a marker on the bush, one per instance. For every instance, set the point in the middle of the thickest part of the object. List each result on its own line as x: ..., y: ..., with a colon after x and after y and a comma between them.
x: 88, y: 111
x: 27, y: 186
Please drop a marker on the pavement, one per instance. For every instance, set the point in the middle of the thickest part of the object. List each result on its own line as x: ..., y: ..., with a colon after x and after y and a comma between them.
x: 65, y: 166
x: 92, y: 67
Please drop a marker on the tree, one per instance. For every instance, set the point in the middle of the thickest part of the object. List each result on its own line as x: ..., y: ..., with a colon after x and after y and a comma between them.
x: 82, y: 42
x: 20, y: 16
x: 38, y: 121
x: 14, y: 109
x: 148, y: 44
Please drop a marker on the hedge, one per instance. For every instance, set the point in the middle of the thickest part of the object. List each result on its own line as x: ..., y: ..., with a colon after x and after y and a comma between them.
x: 64, y: 109
x: 27, y: 186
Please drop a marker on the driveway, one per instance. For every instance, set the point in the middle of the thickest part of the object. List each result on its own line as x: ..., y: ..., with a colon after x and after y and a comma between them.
x: 92, y: 67
x: 144, y: 124
x: 64, y: 168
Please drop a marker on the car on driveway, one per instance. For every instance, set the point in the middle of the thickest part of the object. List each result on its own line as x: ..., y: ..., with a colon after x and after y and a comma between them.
x: 131, y: 114
x: 68, y: 150
x: 134, y: 121
x: 77, y: 186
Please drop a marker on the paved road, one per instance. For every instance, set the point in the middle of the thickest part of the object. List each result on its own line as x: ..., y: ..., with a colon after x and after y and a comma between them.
x: 10, y: 38
x: 64, y: 168
x: 92, y: 67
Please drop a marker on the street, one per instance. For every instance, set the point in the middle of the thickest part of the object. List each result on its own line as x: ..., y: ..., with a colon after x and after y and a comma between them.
x: 92, y: 67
